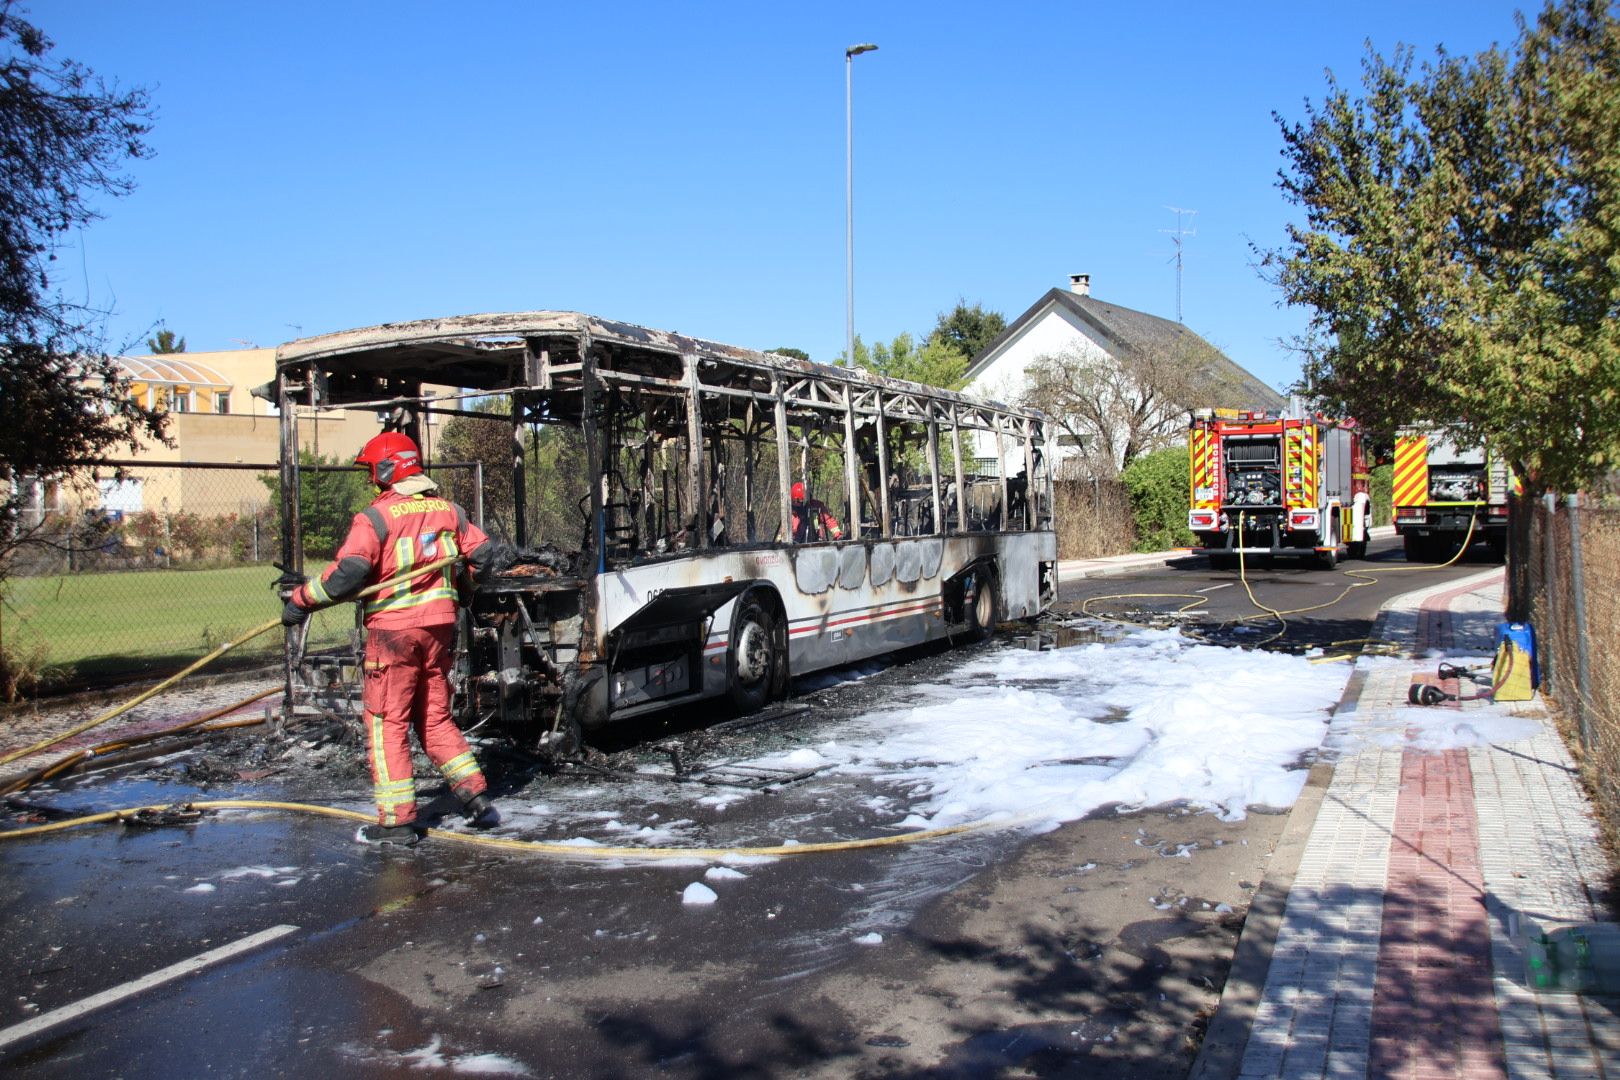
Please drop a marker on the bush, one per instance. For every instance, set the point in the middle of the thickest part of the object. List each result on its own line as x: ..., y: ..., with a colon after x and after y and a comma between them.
x: 1092, y: 518
x: 1381, y: 489
x: 1158, y: 484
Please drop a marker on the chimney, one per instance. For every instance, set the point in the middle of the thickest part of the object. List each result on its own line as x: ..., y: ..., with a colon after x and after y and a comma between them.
x: 1080, y: 284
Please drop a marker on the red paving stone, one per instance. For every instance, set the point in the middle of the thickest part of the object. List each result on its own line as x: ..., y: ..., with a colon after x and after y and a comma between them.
x: 1434, y: 1009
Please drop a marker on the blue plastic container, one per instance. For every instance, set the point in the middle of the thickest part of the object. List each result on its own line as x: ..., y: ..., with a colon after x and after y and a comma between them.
x: 1522, y: 635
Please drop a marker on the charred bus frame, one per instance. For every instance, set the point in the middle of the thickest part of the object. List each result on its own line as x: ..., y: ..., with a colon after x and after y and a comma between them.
x: 684, y: 583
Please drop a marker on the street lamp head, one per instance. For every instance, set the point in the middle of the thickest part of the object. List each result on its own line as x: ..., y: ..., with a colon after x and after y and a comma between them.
x: 856, y: 50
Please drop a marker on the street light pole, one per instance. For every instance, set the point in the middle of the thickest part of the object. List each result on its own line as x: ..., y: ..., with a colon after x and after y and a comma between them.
x: 849, y: 198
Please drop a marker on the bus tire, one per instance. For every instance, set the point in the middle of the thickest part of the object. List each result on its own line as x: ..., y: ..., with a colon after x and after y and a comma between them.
x: 755, y: 662
x: 985, y: 611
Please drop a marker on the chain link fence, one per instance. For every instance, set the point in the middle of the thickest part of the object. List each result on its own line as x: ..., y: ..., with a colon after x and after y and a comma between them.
x: 129, y: 579
x: 1564, y: 577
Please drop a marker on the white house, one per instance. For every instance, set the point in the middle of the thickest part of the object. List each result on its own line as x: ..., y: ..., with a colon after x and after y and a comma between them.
x: 1078, y: 326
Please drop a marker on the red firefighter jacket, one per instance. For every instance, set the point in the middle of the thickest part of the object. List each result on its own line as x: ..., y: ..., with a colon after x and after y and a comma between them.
x: 396, y: 532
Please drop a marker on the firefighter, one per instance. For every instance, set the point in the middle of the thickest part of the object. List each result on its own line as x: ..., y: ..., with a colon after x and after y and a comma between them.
x: 811, y: 519
x: 410, y: 629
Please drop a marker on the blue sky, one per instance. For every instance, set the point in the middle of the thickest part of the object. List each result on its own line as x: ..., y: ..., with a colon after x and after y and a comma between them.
x: 321, y: 166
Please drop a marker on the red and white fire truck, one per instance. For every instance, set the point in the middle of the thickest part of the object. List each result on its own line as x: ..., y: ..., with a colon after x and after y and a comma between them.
x: 1270, y: 484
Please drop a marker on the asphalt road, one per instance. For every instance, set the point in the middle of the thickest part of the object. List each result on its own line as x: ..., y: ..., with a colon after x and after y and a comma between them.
x: 1096, y: 949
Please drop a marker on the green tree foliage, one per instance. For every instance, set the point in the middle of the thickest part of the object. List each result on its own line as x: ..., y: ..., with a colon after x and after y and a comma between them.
x: 968, y: 330
x: 327, y: 502
x: 1157, y: 484
x: 165, y: 342
x: 65, y: 137
x: 934, y: 363
x: 797, y: 354
x: 489, y: 442
x: 1460, y: 249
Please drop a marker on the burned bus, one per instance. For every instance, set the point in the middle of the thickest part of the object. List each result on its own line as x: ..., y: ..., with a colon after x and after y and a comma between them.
x: 647, y: 481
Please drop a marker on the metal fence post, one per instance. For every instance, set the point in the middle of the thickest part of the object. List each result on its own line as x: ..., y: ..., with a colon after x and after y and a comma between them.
x: 1548, y: 635
x: 478, y: 493
x: 1578, y: 589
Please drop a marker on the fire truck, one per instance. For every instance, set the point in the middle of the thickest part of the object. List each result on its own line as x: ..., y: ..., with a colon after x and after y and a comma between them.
x: 1275, y: 484
x: 1443, y: 489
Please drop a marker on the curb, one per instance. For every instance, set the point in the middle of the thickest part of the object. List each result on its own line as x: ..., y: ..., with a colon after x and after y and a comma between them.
x: 1220, y: 1055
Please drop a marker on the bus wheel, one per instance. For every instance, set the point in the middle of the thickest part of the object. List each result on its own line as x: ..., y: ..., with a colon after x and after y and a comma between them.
x: 754, y: 663
x: 985, y: 611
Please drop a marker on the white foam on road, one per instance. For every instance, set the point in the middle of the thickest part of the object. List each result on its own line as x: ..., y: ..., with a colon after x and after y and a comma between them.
x: 1148, y: 719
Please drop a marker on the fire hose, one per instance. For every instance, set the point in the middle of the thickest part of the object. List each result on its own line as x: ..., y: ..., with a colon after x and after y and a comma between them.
x: 191, y: 669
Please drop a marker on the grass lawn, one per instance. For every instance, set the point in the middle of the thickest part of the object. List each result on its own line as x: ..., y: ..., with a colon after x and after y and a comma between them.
x: 146, y: 620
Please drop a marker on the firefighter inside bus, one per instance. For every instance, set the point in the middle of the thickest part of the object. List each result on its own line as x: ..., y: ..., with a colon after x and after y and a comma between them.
x: 812, y: 521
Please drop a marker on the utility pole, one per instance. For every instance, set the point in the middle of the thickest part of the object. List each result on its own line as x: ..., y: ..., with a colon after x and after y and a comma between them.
x: 849, y: 197
x: 1176, y: 235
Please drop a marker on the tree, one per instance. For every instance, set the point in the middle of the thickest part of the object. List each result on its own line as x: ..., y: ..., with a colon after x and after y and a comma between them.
x: 968, y: 330
x: 490, y: 442
x: 1460, y: 250
x: 797, y: 354
x: 328, y: 499
x: 165, y: 342
x: 935, y: 363
x: 64, y: 137
x: 1118, y: 407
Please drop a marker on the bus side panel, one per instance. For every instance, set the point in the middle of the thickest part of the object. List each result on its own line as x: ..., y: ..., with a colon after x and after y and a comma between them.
x: 844, y: 602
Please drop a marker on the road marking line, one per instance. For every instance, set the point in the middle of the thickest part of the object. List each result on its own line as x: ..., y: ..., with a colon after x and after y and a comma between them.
x: 1214, y: 588
x: 40, y: 1023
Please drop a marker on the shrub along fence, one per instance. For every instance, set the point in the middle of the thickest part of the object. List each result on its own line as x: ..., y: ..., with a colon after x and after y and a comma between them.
x: 136, y: 578
x: 1564, y: 577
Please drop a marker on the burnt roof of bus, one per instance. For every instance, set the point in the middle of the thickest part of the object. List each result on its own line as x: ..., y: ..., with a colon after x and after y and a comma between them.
x: 484, y: 352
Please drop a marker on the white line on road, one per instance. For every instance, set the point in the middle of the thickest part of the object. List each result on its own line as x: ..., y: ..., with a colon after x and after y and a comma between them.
x: 130, y: 989
x: 1213, y: 588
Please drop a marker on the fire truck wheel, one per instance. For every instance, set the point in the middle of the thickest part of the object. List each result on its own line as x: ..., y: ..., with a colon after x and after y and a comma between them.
x: 985, y: 611
x: 1330, y: 557
x: 1417, y: 548
x: 1357, y: 550
x: 753, y: 663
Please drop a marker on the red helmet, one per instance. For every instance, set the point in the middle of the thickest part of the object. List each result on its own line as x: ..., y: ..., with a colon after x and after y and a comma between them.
x: 797, y: 491
x: 391, y: 457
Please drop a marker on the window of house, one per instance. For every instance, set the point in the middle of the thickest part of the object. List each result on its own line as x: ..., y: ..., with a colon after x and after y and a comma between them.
x: 180, y: 401
x: 222, y: 402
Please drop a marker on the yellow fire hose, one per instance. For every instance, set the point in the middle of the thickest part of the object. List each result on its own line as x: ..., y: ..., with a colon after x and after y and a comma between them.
x: 62, y: 764
x: 1366, y: 578
x: 529, y: 847
x: 370, y: 590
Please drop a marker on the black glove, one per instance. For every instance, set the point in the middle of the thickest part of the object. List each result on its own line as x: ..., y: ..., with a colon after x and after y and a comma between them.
x: 293, y: 615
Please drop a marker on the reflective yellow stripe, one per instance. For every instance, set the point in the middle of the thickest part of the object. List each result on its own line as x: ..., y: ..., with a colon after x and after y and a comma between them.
x: 379, y: 760
x: 459, y: 767
x: 399, y: 597
x: 1411, y: 483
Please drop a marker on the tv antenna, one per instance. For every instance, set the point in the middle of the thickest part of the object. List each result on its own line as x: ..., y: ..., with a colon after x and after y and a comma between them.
x: 1176, y: 235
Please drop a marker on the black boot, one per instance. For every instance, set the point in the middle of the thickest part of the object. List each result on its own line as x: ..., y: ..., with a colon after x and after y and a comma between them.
x: 480, y: 812
x: 398, y: 835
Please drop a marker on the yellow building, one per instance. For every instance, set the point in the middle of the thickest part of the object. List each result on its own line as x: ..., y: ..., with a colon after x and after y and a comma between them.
x: 214, y: 419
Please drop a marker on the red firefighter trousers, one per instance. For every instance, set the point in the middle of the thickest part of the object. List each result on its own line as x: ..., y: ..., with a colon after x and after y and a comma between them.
x: 407, y: 687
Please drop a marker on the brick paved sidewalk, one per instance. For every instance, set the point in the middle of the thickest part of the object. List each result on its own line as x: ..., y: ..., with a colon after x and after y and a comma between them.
x: 1394, y: 953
